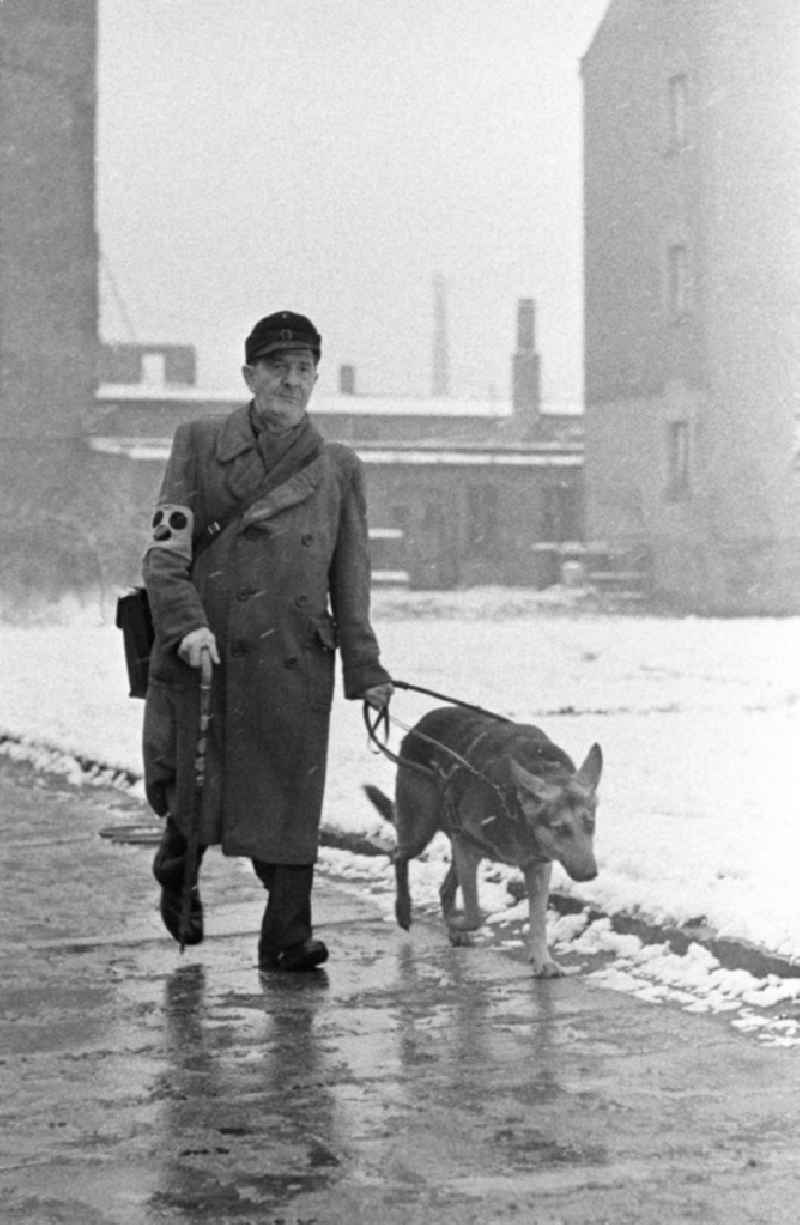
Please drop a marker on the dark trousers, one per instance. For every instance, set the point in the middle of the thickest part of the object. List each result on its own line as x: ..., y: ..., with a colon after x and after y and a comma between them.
x: 287, y: 917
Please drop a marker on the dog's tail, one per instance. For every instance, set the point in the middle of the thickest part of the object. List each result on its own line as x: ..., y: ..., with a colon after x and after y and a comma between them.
x: 381, y: 801
x: 402, y: 907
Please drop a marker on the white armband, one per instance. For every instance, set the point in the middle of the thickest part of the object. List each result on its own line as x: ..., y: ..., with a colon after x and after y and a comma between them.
x: 172, y: 529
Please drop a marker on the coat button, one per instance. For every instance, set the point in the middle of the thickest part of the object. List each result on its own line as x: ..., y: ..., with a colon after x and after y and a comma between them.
x: 306, y: 539
x: 291, y: 662
x: 243, y: 594
x: 301, y: 601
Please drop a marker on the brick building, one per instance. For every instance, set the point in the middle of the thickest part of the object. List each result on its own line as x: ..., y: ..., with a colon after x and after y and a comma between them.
x: 692, y: 295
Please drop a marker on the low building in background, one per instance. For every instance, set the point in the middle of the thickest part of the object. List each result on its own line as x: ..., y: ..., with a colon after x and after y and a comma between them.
x: 153, y: 365
x: 461, y: 492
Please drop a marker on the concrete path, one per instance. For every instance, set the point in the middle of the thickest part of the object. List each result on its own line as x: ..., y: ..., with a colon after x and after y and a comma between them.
x: 408, y: 1082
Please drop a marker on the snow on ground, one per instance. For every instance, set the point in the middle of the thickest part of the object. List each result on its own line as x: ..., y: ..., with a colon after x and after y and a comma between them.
x: 698, y: 720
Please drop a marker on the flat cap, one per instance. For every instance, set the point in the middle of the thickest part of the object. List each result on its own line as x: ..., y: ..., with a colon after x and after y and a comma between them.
x: 281, y: 330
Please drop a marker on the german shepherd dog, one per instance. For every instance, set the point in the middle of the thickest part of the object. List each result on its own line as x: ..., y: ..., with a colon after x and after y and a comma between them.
x: 501, y: 791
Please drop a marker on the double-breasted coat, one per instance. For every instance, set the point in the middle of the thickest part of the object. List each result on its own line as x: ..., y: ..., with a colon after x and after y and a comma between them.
x: 282, y: 586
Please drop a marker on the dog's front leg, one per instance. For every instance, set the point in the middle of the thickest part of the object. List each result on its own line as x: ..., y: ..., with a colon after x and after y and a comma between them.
x: 465, y: 861
x: 537, y: 885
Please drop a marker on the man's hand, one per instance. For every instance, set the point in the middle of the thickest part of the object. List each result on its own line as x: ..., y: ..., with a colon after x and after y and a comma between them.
x: 378, y: 696
x: 191, y: 646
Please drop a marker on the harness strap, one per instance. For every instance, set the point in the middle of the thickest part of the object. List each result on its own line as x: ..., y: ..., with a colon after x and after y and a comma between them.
x: 442, y: 778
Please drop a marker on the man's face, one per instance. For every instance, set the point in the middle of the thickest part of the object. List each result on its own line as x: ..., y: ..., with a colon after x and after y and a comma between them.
x: 281, y: 384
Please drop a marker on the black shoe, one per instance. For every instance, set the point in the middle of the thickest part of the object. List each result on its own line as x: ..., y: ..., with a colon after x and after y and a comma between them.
x: 305, y: 956
x: 171, y: 904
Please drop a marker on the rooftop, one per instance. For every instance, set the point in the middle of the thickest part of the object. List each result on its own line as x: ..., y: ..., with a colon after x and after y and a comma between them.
x: 335, y: 404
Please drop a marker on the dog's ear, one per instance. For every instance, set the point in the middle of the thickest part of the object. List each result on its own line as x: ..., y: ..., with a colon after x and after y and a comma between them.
x: 589, y: 773
x: 544, y: 792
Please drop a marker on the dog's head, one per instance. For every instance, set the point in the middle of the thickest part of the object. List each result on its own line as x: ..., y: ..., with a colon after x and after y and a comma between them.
x: 562, y: 813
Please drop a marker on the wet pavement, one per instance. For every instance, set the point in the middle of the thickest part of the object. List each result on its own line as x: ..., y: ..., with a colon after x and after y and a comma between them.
x: 407, y: 1082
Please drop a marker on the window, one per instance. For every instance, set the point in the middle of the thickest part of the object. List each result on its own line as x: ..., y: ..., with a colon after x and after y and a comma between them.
x: 560, y: 515
x: 154, y: 369
x: 678, y: 460
x: 677, y: 281
x: 678, y: 111
x: 401, y: 518
x: 482, y: 524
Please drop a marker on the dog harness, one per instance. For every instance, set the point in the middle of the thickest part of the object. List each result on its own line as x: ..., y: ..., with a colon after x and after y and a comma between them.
x: 445, y: 778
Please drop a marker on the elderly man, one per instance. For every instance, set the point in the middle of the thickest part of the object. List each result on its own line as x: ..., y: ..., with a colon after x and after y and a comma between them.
x: 259, y: 557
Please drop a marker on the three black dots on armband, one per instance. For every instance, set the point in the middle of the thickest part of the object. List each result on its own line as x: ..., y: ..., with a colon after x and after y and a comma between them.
x: 164, y: 526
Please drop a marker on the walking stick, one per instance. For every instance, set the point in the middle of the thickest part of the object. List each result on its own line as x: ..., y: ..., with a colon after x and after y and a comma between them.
x: 193, y: 839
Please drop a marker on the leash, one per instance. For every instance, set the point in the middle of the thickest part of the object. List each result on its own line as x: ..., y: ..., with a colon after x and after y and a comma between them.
x: 443, y: 697
x: 193, y: 841
x: 381, y: 720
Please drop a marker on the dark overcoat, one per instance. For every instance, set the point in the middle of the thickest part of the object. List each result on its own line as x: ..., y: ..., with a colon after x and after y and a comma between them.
x: 281, y: 587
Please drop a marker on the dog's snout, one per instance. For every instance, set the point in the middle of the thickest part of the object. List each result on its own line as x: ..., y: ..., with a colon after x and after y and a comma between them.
x: 582, y: 872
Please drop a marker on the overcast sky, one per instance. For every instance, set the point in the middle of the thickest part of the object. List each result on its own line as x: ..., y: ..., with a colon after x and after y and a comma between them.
x: 331, y: 156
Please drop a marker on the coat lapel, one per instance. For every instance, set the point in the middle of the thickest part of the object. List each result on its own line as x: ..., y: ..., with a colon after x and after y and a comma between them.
x: 250, y: 482
x: 291, y: 492
x: 238, y: 452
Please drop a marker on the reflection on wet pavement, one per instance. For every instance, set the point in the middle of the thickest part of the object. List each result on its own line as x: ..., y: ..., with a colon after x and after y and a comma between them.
x: 408, y: 1082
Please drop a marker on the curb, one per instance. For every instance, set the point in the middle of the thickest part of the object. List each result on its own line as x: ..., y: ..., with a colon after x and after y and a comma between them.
x: 732, y: 954
x: 148, y: 833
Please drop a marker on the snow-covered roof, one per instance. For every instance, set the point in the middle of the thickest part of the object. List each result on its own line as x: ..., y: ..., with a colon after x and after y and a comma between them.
x: 337, y: 404
x: 408, y: 406
x: 452, y: 455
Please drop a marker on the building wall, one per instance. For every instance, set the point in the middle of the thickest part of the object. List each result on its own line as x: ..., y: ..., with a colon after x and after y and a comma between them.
x: 638, y: 197
x: 48, y: 287
x: 634, y: 501
x: 128, y: 363
x: 752, y: 203
x: 463, y: 523
x: 724, y: 367
x: 48, y: 243
x: 471, y: 525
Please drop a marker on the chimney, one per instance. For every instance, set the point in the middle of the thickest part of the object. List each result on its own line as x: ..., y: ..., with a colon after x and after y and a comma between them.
x: 347, y: 380
x: 525, y: 371
x: 440, y: 385
x: 526, y: 325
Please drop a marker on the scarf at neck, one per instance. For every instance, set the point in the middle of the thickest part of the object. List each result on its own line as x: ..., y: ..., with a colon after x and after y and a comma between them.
x: 284, y: 453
